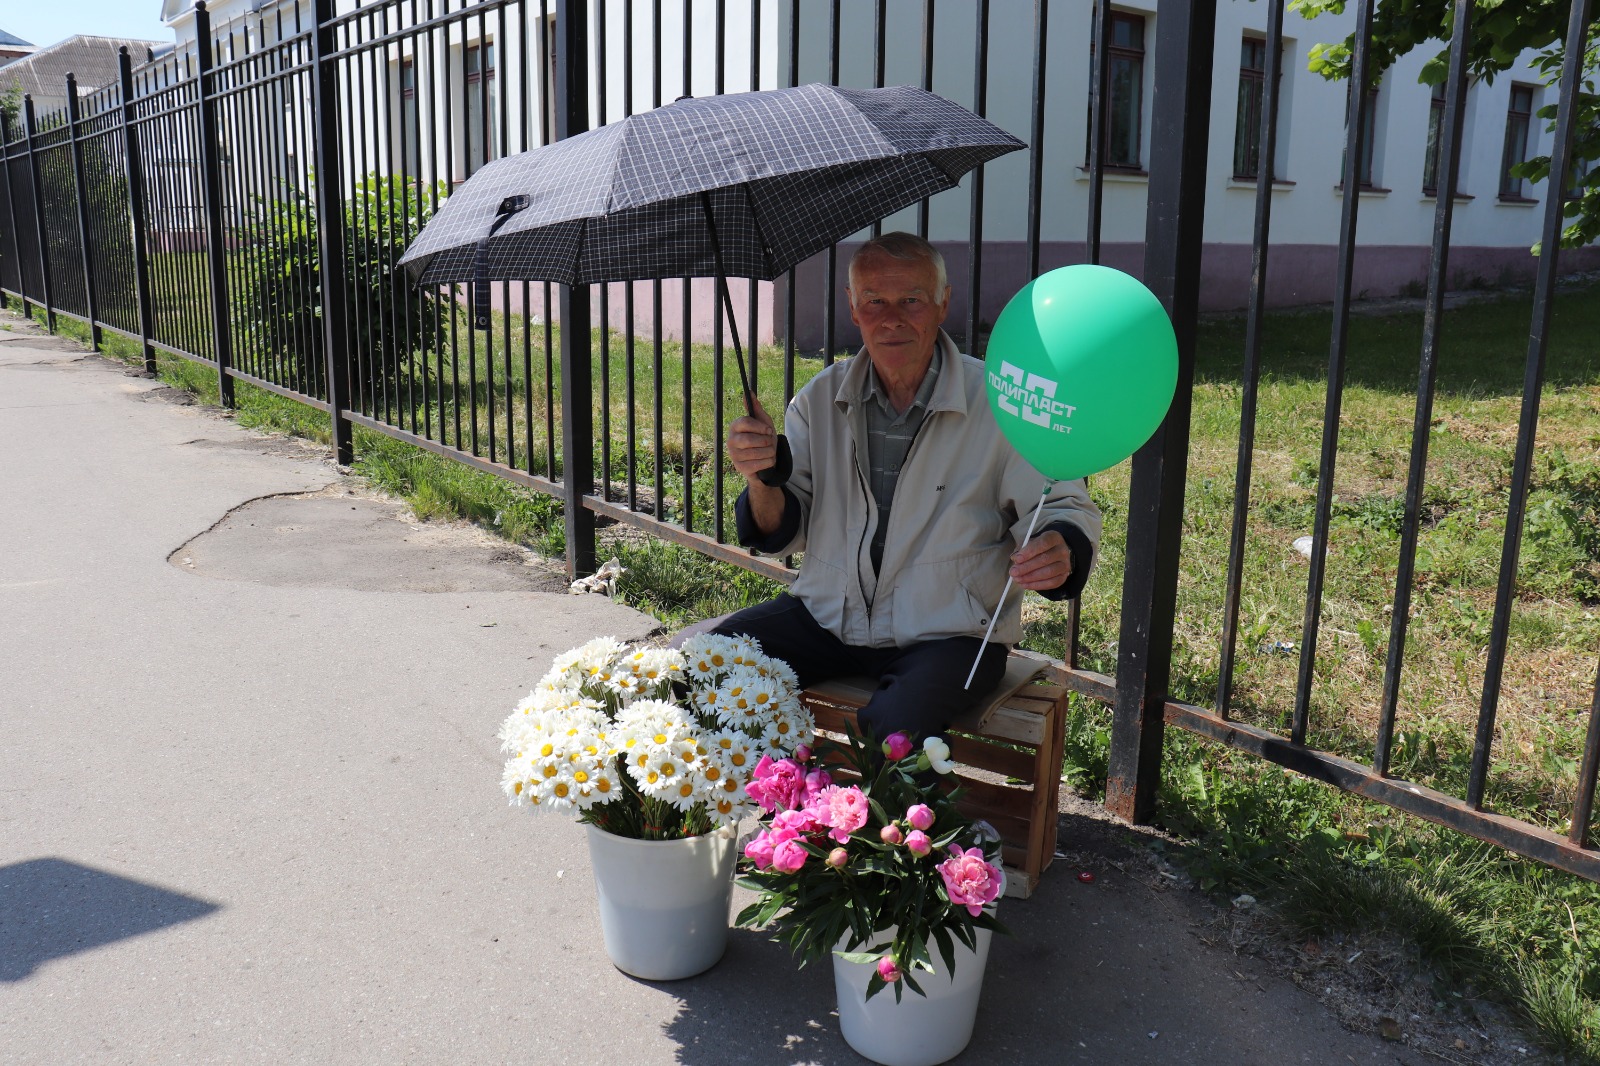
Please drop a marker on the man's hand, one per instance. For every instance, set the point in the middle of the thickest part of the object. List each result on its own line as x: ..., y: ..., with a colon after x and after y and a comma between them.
x: 753, y: 442
x: 1043, y: 564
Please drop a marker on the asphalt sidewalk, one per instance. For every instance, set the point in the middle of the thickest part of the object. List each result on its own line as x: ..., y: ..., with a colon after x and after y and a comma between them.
x: 250, y: 806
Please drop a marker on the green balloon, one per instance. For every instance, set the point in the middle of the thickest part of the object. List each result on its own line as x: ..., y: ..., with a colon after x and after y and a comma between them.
x: 1081, y: 366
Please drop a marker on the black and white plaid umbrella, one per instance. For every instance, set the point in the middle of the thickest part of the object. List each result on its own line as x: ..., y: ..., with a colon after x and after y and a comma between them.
x: 743, y: 185
x: 787, y: 173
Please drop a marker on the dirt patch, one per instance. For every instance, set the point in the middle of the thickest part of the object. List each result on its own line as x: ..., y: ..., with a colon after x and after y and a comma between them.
x: 1371, y: 984
x: 336, y: 538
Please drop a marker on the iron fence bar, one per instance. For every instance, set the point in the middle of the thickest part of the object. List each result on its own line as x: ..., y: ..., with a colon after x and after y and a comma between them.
x: 1583, y: 802
x: 524, y: 129
x: 91, y: 308
x: 880, y: 16
x: 629, y: 346
x: 577, y: 392
x: 239, y: 117
x: 719, y: 534
x: 1354, y: 149
x: 30, y: 127
x: 330, y: 231
x: 1447, y: 176
x: 699, y: 542
x: 751, y: 326
x: 526, y: 480
x: 1449, y: 811
x: 268, y: 385
x: 369, y: 355
x: 1184, y: 46
x: 1041, y: 28
x: 658, y: 327
x: 927, y: 86
x: 11, y: 214
x: 685, y: 351
x: 1533, y: 381
x: 790, y: 283
x: 211, y: 195
x: 602, y: 104
x: 1254, y: 321
x: 444, y: 22
x: 1099, y: 118
x: 980, y: 106
x: 829, y: 324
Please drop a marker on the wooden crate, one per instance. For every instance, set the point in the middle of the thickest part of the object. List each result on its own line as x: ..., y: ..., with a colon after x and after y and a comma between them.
x: 1020, y: 747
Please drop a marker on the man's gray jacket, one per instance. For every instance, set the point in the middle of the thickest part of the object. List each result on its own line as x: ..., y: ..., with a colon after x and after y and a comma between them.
x: 961, y: 506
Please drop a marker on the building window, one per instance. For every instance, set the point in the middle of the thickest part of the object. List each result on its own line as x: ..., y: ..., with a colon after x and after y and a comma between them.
x: 407, y: 147
x: 1123, y: 141
x: 1252, y: 101
x: 1519, y: 117
x: 481, y: 112
x: 1124, y: 91
x: 1369, y: 136
x: 1430, y: 162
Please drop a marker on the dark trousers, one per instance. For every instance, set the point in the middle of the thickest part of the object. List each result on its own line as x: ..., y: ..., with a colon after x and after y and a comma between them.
x: 919, y: 687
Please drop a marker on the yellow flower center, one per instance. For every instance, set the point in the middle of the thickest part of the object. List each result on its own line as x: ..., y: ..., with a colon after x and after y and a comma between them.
x: 686, y: 790
x: 561, y: 790
x: 602, y: 785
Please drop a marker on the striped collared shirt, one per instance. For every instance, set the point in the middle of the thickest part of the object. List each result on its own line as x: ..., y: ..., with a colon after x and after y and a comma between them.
x: 889, y: 437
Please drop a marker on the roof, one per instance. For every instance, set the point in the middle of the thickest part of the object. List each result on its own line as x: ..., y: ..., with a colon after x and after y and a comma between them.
x: 92, y: 60
x: 11, y: 40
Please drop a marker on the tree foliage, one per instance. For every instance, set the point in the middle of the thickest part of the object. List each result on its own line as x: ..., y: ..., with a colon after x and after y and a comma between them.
x: 1502, y: 31
x: 281, y: 308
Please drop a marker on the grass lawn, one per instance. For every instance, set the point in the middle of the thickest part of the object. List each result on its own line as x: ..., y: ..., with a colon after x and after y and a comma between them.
x: 1491, y: 924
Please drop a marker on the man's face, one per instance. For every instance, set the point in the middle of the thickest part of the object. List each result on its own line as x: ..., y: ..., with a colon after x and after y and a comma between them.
x: 898, y: 308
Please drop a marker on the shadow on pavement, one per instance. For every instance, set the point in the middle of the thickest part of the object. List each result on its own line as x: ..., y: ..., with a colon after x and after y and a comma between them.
x: 51, y: 908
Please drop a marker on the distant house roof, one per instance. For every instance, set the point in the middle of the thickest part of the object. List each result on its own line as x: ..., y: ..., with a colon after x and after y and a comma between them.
x: 92, y: 60
x: 10, y: 40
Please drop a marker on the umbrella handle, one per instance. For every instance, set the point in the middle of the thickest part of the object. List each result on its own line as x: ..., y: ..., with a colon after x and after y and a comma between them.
x: 480, y: 259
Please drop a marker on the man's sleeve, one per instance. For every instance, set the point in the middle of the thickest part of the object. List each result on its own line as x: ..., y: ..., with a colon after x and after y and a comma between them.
x: 790, y: 536
x: 1082, y: 550
x: 750, y: 536
x: 1068, y: 510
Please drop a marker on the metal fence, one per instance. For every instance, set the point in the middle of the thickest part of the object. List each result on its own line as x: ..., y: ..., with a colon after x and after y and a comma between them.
x: 242, y: 203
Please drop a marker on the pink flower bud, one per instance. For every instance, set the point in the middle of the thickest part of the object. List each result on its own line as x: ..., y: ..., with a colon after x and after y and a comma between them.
x: 788, y: 857
x: 890, y: 834
x: 917, y: 842
x: 838, y: 857
x: 803, y: 753
x: 888, y: 970
x: 920, y: 815
x: 897, y: 747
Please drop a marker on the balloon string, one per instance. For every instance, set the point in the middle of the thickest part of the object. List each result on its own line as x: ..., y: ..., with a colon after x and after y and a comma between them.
x: 1026, y: 537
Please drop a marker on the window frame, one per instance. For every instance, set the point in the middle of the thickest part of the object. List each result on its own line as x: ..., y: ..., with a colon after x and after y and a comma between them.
x: 1135, y: 56
x: 480, y: 132
x: 1511, y: 188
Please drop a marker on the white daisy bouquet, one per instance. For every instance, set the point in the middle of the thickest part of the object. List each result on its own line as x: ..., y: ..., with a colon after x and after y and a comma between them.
x: 653, y: 743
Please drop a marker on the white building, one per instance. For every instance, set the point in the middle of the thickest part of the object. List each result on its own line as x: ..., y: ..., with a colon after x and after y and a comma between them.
x: 435, y: 104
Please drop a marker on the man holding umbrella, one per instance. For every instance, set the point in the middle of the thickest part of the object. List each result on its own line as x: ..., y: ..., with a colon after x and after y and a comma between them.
x: 909, y: 505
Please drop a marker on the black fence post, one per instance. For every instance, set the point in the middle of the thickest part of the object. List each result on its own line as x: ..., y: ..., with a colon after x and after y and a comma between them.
x: 577, y: 386
x: 90, y: 304
x: 211, y: 193
x: 29, y: 128
x: 330, y: 225
x: 1174, y: 222
x: 11, y: 213
x: 136, y: 212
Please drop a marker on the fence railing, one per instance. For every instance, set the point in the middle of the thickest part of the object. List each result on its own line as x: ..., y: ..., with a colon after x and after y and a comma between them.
x: 242, y: 203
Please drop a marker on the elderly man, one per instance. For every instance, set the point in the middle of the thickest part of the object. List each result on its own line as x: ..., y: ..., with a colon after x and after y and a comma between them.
x: 910, y: 507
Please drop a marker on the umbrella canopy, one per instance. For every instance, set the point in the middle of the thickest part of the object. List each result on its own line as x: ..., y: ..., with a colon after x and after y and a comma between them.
x: 778, y: 175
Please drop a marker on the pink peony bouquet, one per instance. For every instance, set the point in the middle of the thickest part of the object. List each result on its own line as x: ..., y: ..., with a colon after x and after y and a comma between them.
x: 879, y: 865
